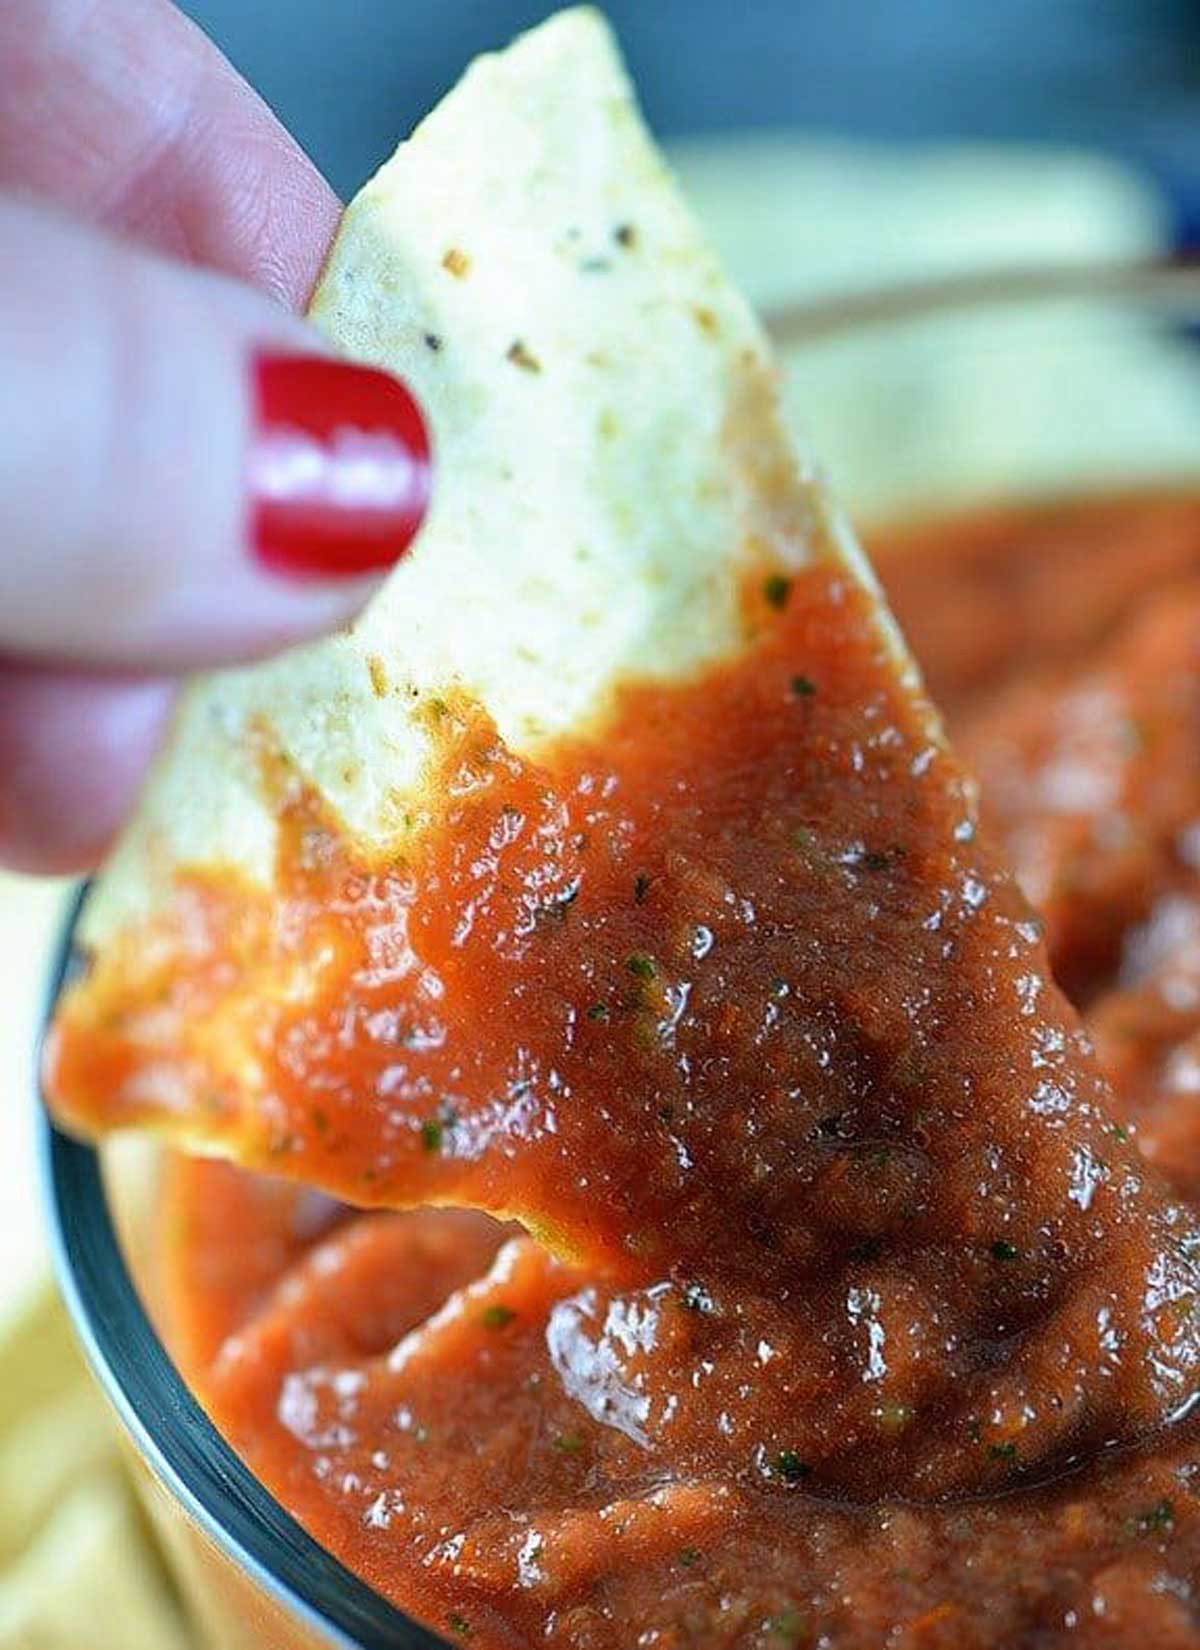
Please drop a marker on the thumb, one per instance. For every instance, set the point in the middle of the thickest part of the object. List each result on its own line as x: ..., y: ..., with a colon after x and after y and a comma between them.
x: 186, y: 479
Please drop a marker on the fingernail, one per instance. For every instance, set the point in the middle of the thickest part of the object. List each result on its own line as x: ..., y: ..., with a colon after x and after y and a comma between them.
x: 339, y: 467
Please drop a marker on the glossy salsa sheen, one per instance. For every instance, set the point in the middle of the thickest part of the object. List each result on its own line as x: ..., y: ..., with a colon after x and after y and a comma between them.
x: 852, y: 1310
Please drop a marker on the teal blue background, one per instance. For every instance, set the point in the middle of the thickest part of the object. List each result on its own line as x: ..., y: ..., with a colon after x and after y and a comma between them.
x: 349, y: 76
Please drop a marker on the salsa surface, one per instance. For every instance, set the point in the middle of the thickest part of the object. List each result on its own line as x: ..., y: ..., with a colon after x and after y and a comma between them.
x: 866, y: 1320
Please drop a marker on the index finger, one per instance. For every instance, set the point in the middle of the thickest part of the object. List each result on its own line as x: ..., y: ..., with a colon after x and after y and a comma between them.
x: 125, y: 113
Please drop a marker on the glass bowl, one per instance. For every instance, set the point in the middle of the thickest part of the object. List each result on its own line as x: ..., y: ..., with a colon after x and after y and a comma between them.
x: 251, y: 1576
x: 984, y: 390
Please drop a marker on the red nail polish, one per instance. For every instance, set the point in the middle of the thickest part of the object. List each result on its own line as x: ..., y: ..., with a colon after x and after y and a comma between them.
x: 339, y: 467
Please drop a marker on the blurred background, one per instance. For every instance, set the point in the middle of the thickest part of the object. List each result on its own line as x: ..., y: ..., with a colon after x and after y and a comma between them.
x: 829, y: 146
x: 348, y: 76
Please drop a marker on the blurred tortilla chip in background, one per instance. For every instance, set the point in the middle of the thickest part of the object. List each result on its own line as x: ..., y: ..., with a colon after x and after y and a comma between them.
x: 793, y: 218
x: 77, y: 1570
x: 895, y: 411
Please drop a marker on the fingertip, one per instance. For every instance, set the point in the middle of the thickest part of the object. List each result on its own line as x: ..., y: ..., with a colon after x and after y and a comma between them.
x: 215, y: 486
x: 130, y: 116
x: 74, y: 750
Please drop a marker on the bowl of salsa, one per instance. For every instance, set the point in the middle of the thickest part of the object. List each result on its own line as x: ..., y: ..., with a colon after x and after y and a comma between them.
x: 346, y: 1415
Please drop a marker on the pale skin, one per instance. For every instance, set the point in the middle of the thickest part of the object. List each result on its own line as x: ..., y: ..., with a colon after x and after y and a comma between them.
x: 156, y: 225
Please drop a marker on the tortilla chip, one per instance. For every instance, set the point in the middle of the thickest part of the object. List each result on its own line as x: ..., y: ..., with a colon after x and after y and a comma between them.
x: 91, y: 1580
x: 54, y: 1427
x: 612, y: 472
x: 39, y: 1360
x: 52, y: 1449
x: 77, y: 1568
x: 607, y: 457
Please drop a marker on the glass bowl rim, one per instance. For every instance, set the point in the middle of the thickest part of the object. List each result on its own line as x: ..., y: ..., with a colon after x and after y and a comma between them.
x: 173, y: 1436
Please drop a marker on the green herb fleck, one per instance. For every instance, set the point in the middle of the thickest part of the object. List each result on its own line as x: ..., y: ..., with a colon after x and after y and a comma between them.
x: 1155, y: 1520
x: 790, y: 1467
x: 1118, y: 1131
x: 320, y: 1120
x: 1161, y: 1515
x: 641, y: 887
x: 777, y: 587
x: 803, y: 687
x: 788, y: 1627
x: 689, y: 1557
x: 1002, y: 1452
x: 625, y: 235
x: 1003, y: 1250
x: 597, y: 1011
x: 432, y: 1134
x: 641, y: 965
x: 459, y: 1624
x: 568, y: 1443
x: 497, y: 1316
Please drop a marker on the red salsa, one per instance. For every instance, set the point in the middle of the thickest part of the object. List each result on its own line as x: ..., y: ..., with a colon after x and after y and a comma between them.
x: 806, y: 1283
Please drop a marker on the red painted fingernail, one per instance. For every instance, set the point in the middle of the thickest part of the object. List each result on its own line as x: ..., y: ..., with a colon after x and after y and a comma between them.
x: 339, y: 468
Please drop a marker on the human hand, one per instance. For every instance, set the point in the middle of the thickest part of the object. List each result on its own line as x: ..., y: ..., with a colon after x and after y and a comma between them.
x: 186, y: 480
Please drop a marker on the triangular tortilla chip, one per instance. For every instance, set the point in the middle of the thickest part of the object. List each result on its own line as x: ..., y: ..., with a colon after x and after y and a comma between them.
x: 607, y: 454
x: 611, y: 473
